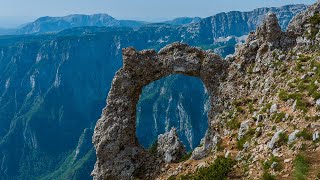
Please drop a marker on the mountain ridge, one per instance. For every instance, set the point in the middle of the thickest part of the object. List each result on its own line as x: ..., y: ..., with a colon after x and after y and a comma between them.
x: 69, y: 74
x: 264, y: 118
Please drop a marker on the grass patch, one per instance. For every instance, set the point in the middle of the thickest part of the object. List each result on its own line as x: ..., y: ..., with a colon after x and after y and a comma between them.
x: 318, y: 176
x: 274, y: 159
x: 251, y: 108
x: 245, y: 138
x: 301, y: 167
x: 268, y: 176
x: 186, y: 157
x: 302, y: 104
x: 314, y: 21
x: 283, y: 139
x: 277, y: 117
x: 173, y: 177
x: 305, y: 135
x: 216, y: 171
x: 266, y: 108
x: 233, y: 124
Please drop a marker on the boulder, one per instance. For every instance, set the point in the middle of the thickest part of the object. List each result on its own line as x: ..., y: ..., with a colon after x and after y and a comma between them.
x: 273, y: 142
x: 170, y: 148
x: 293, y: 136
x: 315, y: 136
x: 273, y: 108
x: 244, y: 127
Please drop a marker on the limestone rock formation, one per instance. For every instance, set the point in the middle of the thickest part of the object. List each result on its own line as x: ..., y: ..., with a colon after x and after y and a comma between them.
x: 119, y: 154
x: 169, y: 147
x: 254, y: 83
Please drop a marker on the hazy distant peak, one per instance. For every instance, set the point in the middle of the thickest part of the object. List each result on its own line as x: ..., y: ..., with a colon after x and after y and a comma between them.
x: 183, y: 20
x: 49, y: 24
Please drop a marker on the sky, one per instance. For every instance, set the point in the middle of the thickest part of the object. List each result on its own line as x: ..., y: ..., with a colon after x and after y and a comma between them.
x: 14, y: 12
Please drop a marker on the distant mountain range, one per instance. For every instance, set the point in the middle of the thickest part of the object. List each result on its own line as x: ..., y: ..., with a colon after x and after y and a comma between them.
x: 54, y: 80
x: 6, y: 31
x: 214, y: 26
x: 56, y: 24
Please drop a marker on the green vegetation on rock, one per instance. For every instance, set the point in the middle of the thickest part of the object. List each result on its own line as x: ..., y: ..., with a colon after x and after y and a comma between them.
x: 301, y: 167
x: 216, y: 171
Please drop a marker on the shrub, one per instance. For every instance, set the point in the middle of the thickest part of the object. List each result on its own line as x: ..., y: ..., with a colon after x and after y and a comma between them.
x: 304, y: 58
x: 314, y: 20
x: 173, y: 177
x: 216, y: 171
x: 233, y: 124
x: 241, y: 142
x: 278, y: 117
x: 245, y: 138
x: 301, y: 167
x: 305, y: 135
x: 267, y: 107
x: 301, y: 103
x: 251, y: 108
x: 274, y: 159
x: 283, y: 95
x: 283, y: 139
x: 153, y: 148
x: 268, y: 176
x: 186, y: 157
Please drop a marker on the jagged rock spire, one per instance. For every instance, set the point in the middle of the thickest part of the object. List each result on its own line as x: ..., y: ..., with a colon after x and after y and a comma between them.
x: 270, y: 30
x: 170, y: 148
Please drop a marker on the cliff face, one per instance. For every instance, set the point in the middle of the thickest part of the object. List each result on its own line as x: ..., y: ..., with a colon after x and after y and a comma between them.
x: 240, y: 23
x: 42, y: 116
x: 54, y: 86
x: 264, y: 113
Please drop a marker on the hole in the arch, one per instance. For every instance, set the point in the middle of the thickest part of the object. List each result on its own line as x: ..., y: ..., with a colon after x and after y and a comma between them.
x: 174, y: 101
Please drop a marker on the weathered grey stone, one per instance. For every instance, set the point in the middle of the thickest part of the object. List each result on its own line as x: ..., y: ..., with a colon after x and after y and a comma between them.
x: 270, y: 30
x: 293, y: 136
x: 274, y: 165
x: 201, y: 152
x: 169, y: 147
x: 274, y: 140
x: 244, y: 127
x: 318, y: 102
x: 119, y: 155
x: 273, y: 108
x: 294, y: 105
x: 315, y: 136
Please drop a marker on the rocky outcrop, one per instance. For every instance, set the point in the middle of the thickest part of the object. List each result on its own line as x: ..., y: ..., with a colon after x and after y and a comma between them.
x: 169, y: 147
x: 240, y: 23
x: 69, y: 73
x: 244, y: 85
x: 118, y: 151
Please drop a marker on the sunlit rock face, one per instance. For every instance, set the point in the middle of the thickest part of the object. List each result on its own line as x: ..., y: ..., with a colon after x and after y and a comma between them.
x: 69, y: 75
x: 119, y: 154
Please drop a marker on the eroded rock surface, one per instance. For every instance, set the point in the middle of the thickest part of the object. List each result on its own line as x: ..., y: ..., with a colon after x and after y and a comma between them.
x: 240, y: 86
x: 119, y: 155
x: 170, y: 148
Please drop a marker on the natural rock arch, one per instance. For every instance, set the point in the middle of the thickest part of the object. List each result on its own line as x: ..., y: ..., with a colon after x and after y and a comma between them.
x: 119, y: 155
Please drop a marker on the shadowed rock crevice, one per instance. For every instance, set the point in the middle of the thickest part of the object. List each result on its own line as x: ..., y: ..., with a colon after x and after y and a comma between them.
x: 118, y: 151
